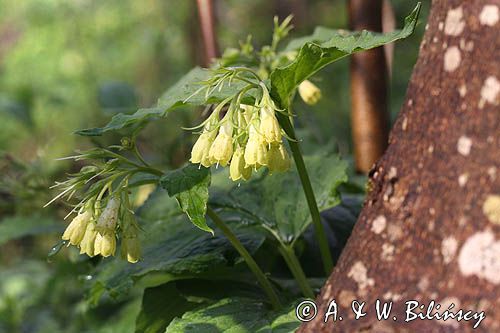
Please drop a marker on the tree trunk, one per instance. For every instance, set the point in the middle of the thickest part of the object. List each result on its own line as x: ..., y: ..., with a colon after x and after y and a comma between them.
x: 430, y: 227
x: 369, y: 116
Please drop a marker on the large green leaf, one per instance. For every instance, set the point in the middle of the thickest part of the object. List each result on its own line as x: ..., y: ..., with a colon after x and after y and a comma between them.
x: 184, y: 92
x: 189, y: 185
x: 278, y: 200
x: 319, y: 52
x: 159, y: 306
x: 172, y: 249
x: 20, y: 226
x: 236, y: 315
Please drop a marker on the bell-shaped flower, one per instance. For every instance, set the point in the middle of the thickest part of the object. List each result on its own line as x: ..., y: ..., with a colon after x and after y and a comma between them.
x: 269, y: 126
x: 201, y: 149
x: 109, y: 216
x: 105, y: 244
x: 309, y: 92
x: 222, y: 148
x: 238, y: 168
x: 255, y: 150
x: 87, y: 244
x: 279, y: 159
x: 76, y: 229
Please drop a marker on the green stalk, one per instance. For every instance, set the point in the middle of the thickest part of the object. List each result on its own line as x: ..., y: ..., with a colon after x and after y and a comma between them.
x: 294, y: 265
x: 308, y: 191
x: 261, y: 277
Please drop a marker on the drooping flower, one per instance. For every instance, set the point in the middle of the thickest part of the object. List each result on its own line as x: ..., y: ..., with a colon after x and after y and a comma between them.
x: 222, y: 147
x: 278, y: 158
x: 309, y: 92
x: 238, y: 168
x: 76, y: 229
x: 105, y: 244
x: 87, y: 244
x: 201, y: 149
x: 109, y: 216
x: 256, y: 150
x: 269, y: 126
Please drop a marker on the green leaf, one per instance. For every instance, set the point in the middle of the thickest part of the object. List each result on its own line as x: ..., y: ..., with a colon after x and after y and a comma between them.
x: 184, y: 92
x: 236, y: 315
x: 189, y: 185
x: 159, y: 306
x: 319, y: 52
x: 21, y: 226
x: 173, y: 249
x: 278, y: 201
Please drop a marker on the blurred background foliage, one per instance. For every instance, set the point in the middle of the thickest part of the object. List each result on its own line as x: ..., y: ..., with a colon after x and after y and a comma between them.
x: 66, y: 65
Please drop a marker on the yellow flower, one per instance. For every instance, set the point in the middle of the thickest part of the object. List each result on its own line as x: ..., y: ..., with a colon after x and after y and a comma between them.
x: 238, y: 169
x: 87, y: 244
x: 256, y: 150
x: 76, y: 229
x: 109, y: 217
x: 200, y: 151
x: 131, y: 249
x: 222, y: 148
x: 105, y: 244
x: 269, y: 126
x: 278, y: 158
x: 309, y: 92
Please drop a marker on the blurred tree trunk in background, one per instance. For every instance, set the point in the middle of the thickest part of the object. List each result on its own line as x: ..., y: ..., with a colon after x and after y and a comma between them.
x: 207, y: 23
x: 430, y: 227
x: 369, y: 116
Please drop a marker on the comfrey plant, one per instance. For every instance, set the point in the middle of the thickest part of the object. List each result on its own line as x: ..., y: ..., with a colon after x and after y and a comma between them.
x: 250, y: 131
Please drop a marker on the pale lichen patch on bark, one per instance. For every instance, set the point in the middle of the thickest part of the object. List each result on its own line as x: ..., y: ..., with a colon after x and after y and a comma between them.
x: 480, y: 256
x: 454, y: 23
x: 489, y: 15
x: 462, y: 179
x: 462, y: 90
x: 452, y: 59
x: 489, y: 91
x: 378, y: 224
x: 449, y: 247
x: 491, y: 208
x: 387, y: 252
x: 492, y: 172
x: 464, y: 145
x: 359, y: 273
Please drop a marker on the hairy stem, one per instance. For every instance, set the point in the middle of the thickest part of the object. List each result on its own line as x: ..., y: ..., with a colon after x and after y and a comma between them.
x: 326, y: 256
x: 294, y: 265
x: 261, y: 277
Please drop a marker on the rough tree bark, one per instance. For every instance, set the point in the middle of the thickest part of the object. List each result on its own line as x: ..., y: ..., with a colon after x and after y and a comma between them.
x: 430, y: 227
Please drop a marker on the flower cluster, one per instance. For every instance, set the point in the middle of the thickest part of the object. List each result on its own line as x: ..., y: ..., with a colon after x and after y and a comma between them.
x: 95, y: 233
x: 246, y: 138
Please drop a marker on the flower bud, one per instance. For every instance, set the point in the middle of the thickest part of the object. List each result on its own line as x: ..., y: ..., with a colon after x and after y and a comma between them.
x: 105, y: 244
x: 222, y: 148
x: 238, y: 169
x: 131, y: 249
x: 76, y: 229
x: 269, y: 126
x: 278, y: 158
x: 109, y: 217
x: 87, y: 244
x: 309, y: 92
x: 200, y: 151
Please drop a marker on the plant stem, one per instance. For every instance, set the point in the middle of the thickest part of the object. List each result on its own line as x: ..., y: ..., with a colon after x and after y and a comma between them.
x: 309, y: 193
x: 294, y: 265
x: 261, y: 277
